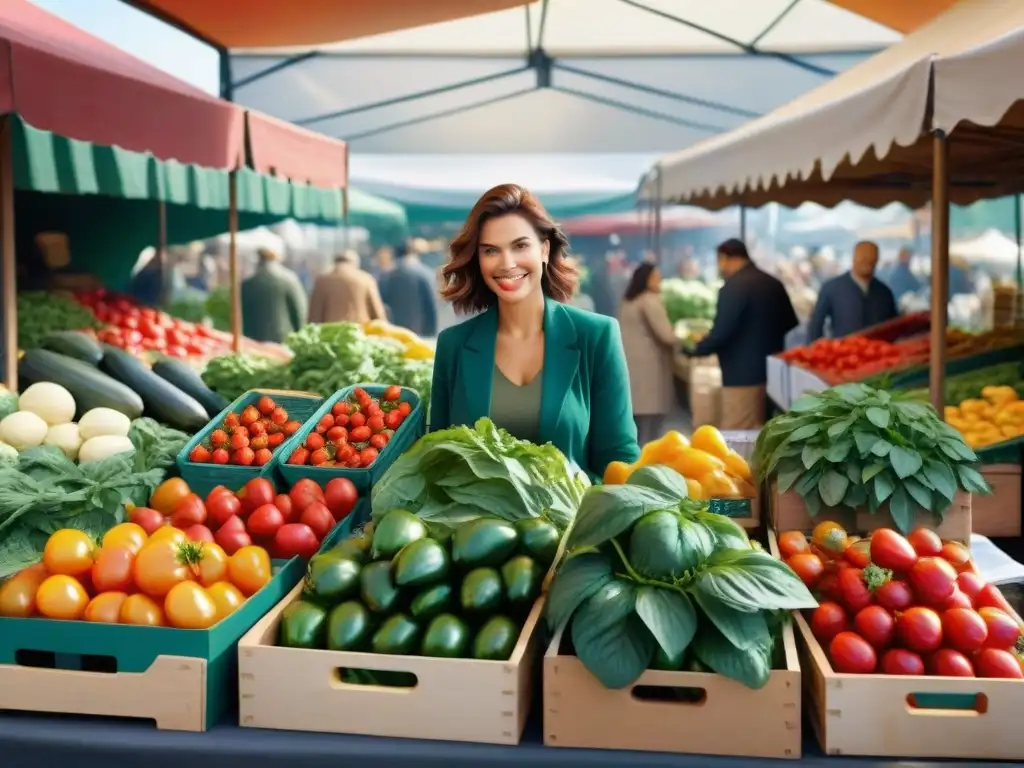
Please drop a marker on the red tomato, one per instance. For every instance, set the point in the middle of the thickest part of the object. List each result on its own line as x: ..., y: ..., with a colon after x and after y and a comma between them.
x: 296, y: 540
x: 947, y: 662
x: 318, y: 517
x: 828, y: 587
x: 858, y: 554
x: 265, y: 521
x: 392, y: 393
x: 957, y: 555
x: 284, y: 503
x: 1002, y: 629
x: 808, y: 567
x: 232, y: 536
x: 995, y: 662
x: 199, y: 533
x: 304, y: 493
x: 991, y: 597
x: 932, y: 580
x: 221, y: 507
x: 854, y: 593
x: 963, y: 629
x: 257, y: 492
x: 852, y: 654
x: 112, y: 571
x: 958, y: 600
x: 894, y: 596
x: 925, y: 542
x: 900, y: 661
x: 828, y: 620
x: 341, y: 496
x: 919, y: 629
x: 876, y: 625
x: 892, y: 551
x: 970, y: 584
x: 190, y: 511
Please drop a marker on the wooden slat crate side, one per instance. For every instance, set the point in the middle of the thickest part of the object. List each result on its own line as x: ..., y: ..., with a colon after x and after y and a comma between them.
x: 998, y: 514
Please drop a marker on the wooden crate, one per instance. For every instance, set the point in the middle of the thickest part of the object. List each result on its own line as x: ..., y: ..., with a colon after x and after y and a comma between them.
x: 453, y: 699
x: 998, y: 514
x: 729, y: 719
x: 789, y: 513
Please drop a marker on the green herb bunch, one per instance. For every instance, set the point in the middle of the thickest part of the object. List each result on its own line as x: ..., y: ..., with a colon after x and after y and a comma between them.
x: 654, y: 580
x: 857, y: 447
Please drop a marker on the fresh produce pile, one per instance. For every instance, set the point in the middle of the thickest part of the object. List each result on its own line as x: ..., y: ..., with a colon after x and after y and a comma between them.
x: 964, y: 386
x: 851, y: 358
x: 248, y: 437
x: 710, y: 467
x: 997, y: 416
x: 857, y: 447
x: 394, y: 589
x: 288, y: 525
x: 355, y: 431
x: 41, y: 313
x: 654, y: 580
x: 688, y: 299
x: 155, y: 580
x: 904, y: 606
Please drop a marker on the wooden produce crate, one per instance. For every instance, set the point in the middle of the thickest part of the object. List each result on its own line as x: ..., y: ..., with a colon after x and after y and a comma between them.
x: 789, y: 513
x: 727, y: 719
x: 745, y: 512
x: 999, y: 514
x: 705, y: 394
x: 777, y: 385
x: 453, y: 699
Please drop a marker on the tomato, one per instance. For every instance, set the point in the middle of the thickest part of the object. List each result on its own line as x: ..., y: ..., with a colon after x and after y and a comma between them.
x: 18, y: 594
x: 1002, y: 629
x: 991, y: 597
x: 142, y: 610
x: 265, y: 520
x: 948, y: 662
x: 894, y: 596
x: 858, y: 554
x: 890, y: 550
x: 61, y: 597
x: 257, y: 492
x: 919, y: 629
x: 341, y: 497
x: 128, y: 535
x: 319, y: 518
x: 220, y: 507
x: 828, y: 620
x: 159, y: 566
x: 190, y: 511
x: 958, y: 600
x: 165, y: 534
x: 853, y: 591
x: 232, y: 536
x: 168, y: 495
x: 68, y: 552
x: 925, y: 542
x: 932, y: 580
x: 284, y: 503
x: 199, y: 533
x: 227, y: 598
x: 852, y: 654
x: 392, y: 393
x: 963, y: 629
x: 149, y: 520
x: 296, y: 540
x: 957, y: 555
x: 970, y: 584
x: 304, y: 493
x: 112, y: 571
x: 189, y: 606
x: 212, y: 566
x: 105, y: 608
x: 994, y: 662
x: 876, y: 625
x: 830, y: 538
x: 828, y: 587
x: 249, y: 569
x: 900, y: 661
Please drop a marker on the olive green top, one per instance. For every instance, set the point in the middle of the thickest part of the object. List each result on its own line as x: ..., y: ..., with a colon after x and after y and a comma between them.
x: 516, y: 408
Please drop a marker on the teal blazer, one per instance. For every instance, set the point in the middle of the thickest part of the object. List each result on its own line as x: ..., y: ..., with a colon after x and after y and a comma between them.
x: 585, y: 405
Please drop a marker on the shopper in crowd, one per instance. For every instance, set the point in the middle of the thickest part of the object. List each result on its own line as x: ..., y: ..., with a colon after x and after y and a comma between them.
x: 901, y: 279
x: 273, y: 300
x: 650, y: 343
x: 855, y: 300
x: 346, y: 293
x: 410, y: 293
x: 542, y: 369
x: 753, y: 316
x: 601, y: 287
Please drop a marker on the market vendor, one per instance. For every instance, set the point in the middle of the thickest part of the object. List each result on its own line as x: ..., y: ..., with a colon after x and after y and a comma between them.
x: 854, y: 301
x: 538, y: 367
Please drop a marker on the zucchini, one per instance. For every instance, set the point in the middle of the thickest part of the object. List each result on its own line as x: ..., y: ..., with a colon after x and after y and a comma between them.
x: 162, y: 400
x: 90, y: 388
x: 184, y: 377
x: 76, y: 345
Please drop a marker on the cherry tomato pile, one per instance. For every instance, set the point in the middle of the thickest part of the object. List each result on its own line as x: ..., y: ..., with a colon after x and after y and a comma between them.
x: 898, y: 605
x: 158, y: 579
x: 247, y: 438
x: 847, y: 359
x: 287, y: 524
x: 355, y: 431
x: 141, y: 329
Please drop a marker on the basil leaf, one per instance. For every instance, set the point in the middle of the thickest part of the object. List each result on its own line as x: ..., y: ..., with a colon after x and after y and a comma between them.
x: 741, y: 629
x: 901, y: 510
x: 856, y: 496
x: 941, y: 477
x: 919, y: 493
x: 853, y: 393
x: 608, y: 510
x: 579, y: 577
x: 664, y: 545
x: 610, y: 639
x: 881, y: 449
x: 866, y: 442
x: 811, y: 454
x: 727, y: 533
x: 787, y: 476
x: 838, y: 451
x: 669, y: 616
x: 804, y: 432
x: 973, y: 481
x: 752, y: 667
x: 832, y: 487
x: 840, y: 426
x: 878, y: 416
x: 957, y: 449
x: 661, y: 479
x: 884, y: 486
x: 753, y: 580
x: 804, y: 404
x: 905, y: 462
x: 870, y: 471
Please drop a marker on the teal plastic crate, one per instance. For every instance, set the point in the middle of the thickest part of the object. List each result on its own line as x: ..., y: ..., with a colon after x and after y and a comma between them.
x: 359, y: 515
x: 411, y: 430
x: 918, y: 376
x: 203, y: 478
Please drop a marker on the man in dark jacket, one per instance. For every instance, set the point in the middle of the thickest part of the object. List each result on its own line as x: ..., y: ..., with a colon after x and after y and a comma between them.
x: 754, y: 315
x: 854, y: 301
x: 274, y: 302
x: 410, y: 293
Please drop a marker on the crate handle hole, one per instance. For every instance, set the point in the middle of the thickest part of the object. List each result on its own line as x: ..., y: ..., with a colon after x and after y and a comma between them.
x: 671, y: 694
x: 947, y: 704
x: 379, y: 678
x: 70, y: 661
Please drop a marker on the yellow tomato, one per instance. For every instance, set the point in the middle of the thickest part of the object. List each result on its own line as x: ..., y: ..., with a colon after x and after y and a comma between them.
x: 168, y: 494
x: 166, y: 534
x: 951, y: 412
x: 708, y: 439
x: 128, y: 535
x: 213, y: 564
x: 189, y: 606
x: 69, y: 552
x: 972, y: 405
x: 617, y: 473
x: 62, y: 597
x: 18, y: 593
x: 226, y: 597
x: 142, y: 610
x: 105, y: 608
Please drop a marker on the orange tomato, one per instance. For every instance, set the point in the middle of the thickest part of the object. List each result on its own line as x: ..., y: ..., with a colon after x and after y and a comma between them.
x: 249, y: 569
x: 128, y: 535
x: 830, y: 538
x: 142, y: 610
x: 166, y: 534
x: 61, y: 597
x: 18, y: 594
x: 160, y: 566
x: 226, y: 596
x: 112, y: 571
x: 213, y: 564
x: 168, y: 495
x: 105, y: 608
x: 68, y: 552
x: 189, y: 606
x: 793, y: 543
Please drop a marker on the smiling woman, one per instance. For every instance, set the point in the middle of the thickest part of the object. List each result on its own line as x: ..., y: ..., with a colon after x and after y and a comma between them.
x: 543, y: 370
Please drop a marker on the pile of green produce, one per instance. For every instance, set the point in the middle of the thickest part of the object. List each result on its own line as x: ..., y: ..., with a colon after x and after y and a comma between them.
x: 655, y: 581
x: 963, y: 386
x: 455, y: 475
x: 41, y: 313
x: 688, y: 299
x: 197, y: 307
x: 857, y: 447
x: 233, y: 375
x: 394, y: 589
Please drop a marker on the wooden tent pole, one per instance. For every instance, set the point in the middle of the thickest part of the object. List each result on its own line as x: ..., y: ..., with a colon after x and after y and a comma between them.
x: 9, y: 271
x: 940, y: 271
x: 161, y: 254
x: 236, y: 283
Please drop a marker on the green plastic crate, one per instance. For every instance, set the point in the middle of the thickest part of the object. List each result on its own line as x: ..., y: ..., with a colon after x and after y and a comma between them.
x: 203, y: 478
x: 411, y: 430
x: 918, y: 376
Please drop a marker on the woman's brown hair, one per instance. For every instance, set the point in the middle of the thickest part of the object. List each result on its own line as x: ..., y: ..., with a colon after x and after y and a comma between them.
x: 464, y: 285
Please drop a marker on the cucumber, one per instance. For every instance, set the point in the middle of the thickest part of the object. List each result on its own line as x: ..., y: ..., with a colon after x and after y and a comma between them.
x: 420, y: 564
x: 191, y: 383
x: 90, y: 388
x: 74, y: 344
x: 162, y: 400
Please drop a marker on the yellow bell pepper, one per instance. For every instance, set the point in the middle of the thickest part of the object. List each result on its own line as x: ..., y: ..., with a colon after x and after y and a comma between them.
x: 663, y: 450
x: 737, y: 466
x: 418, y: 351
x: 617, y: 472
x: 694, y: 489
x: 691, y: 462
x: 708, y: 439
x: 718, y: 485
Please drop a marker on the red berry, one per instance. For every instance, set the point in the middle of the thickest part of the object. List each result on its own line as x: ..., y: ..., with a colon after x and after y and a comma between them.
x: 218, y: 438
x: 280, y: 416
x: 199, y: 454
x: 262, y: 456
x: 243, y: 457
x: 221, y: 456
